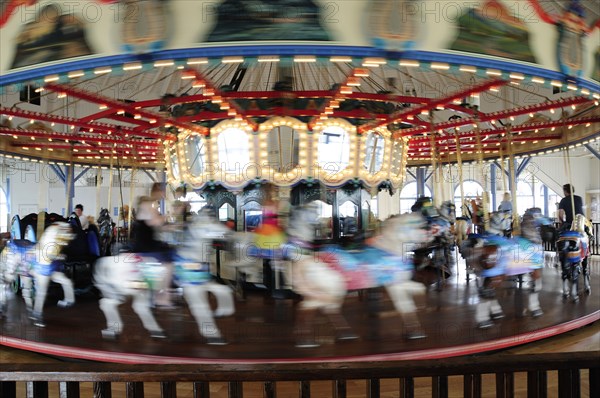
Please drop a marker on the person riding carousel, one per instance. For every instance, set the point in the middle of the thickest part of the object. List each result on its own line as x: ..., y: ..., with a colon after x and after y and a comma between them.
x: 144, y: 239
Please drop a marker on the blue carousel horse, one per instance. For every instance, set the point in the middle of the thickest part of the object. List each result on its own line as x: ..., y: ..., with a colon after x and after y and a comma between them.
x: 573, y: 252
x: 38, y: 263
x: 323, y: 278
x: 495, y: 258
x: 137, y: 275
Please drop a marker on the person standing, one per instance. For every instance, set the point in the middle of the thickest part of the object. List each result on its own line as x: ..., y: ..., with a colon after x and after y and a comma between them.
x: 506, y: 204
x: 83, y: 219
x: 569, y: 207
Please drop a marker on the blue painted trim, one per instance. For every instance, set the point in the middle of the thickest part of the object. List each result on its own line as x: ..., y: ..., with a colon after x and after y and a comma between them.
x: 501, y: 168
x: 545, y: 193
x: 82, y: 173
x: 59, y: 173
x: 316, y: 49
x: 7, y: 192
x: 592, y: 150
x: 410, y: 173
x: 428, y: 176
x: 493, y: 184
x: 522, y: 166
x: 420, y: 182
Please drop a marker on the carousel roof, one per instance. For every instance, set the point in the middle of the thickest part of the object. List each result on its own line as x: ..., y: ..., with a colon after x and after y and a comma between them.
x: 126, y: 109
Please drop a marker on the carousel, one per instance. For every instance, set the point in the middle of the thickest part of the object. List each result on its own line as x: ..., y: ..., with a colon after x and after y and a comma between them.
x: 287, y: 141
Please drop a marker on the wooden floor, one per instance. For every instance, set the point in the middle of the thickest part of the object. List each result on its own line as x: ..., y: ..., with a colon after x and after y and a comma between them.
x: 82, y: 329
x: 262, y: 328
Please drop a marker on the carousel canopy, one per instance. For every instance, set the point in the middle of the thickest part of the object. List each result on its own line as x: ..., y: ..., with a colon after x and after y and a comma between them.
x: 291, y: 112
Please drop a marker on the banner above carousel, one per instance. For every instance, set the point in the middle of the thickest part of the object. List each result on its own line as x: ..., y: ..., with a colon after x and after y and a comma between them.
x: 561, y: 35
x: 335, y: 91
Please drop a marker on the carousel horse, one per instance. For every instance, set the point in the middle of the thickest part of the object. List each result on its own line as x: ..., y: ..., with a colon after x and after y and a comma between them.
x: 436, y: 258
x: 495, y: 258
x: 573, y: 252
x: 323, y: 278
x: 137, y: 275
x: 38, y: 263
x: 105, y: 228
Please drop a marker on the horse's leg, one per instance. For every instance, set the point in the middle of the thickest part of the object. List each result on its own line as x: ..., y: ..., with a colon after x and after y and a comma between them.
x: 27, y: 293
x: 114, y: 325
x: 586, y: 275
x: 197, y: 298
x: 575, y: 271
x: 67, y: 286
x: 141, y: 306
x: 402, y: 297
x: 41, y: 288
x: 488, y: 307
x: 566, y: 271
x: 534, y: 302
x: 225, y: 301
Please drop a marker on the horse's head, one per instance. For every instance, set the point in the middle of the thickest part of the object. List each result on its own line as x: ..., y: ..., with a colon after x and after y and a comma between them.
x: 411, y: 228
x: 54, y: 239
x: 448, y: 211
x: 579, y: 223
x: 500, y: 222
x: 536, y: 227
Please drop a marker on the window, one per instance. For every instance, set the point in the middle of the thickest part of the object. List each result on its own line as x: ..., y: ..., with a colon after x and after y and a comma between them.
x: 471, y: 190
x: 195, y: 154
x: 30, y: 94
x: 283, y: 148
x: 374, y: 151
x: 408, y: 196
x: 553, y: 201
x: 234, y: 151
x: 334, y: 149
x: 524, y: 196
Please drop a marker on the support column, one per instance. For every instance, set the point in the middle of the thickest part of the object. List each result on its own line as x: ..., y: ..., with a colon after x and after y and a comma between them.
x: 420, y: 181
x: 69, y: 188
x: 493, y: 185
x: 545, y: 193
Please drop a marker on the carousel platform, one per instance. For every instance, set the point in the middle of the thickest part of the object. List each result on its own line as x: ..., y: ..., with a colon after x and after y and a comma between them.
x: 262, y: 329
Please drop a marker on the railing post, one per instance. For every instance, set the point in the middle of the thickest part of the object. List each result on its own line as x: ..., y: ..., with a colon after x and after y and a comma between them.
x: 269, y: 389
x: 373, y: 388
x: 407, y: 387
x: 235, y: 389
x: 305, y: 389
x: 37, y: 389
x: 440, y: 387
x: 102, y: 390
x: 505, y: 385
x: 568, y: 383
x: 537, y: 384
x: 472, y: 385
x: 68, y: 389
x: 134, y: 390
x: 168, y: 389
x: 339, y: 389
x: 201, y: 390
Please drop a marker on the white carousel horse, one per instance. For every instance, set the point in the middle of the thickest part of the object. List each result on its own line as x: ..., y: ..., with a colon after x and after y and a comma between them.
x: 38, y: 263
x: 463, y: 225
x: 136, y: 275
x: 496, y: 257
x: 324, y: 278
x: 573, y: 252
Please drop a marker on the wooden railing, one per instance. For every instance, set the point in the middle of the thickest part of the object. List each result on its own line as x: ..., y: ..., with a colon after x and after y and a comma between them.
x: 501, y: 367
